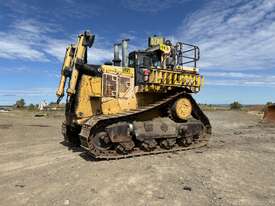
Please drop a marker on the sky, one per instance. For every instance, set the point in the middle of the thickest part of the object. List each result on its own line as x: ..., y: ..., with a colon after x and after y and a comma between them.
x: 236, y: 39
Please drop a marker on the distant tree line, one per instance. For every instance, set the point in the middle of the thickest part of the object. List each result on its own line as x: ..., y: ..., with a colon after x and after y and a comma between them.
x: 236, y: 105
x: 21, y: 104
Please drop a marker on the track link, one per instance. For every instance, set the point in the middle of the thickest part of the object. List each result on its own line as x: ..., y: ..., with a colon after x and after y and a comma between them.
x: 98, y: 123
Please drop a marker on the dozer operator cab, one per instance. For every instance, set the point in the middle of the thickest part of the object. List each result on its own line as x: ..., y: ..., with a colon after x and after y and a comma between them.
x: 161, y: 54
x: 141, y: 61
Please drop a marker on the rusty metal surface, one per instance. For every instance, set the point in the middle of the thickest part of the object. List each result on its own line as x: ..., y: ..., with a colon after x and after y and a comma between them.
x: 157, y: 128
x: 119, y: 132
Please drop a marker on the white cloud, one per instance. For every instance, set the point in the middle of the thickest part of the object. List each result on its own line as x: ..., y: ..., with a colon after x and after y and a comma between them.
x: 63, y: 9
x: 230, y: 74
x: 152, y: 6
x: 238, y: 79
x: 27, y: 92
x: 233, y: 35
x: 131, y: 35
x: 24, y: 40
x: 31, y: 95
x: 13, y: 46
x: 32, y: 26
x: 240, y: 82
x: 96, y: 55
x: 56, y: 48
x: 32, y: 40
x: 17, y: 69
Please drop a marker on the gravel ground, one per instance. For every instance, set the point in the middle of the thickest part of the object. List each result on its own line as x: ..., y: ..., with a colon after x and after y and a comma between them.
x: 237, y: 168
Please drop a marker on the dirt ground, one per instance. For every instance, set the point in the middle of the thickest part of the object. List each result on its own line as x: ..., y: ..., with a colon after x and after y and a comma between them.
x: 237, y: 168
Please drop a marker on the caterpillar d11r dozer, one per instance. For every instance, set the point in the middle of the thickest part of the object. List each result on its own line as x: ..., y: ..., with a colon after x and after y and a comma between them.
x: 137, y: 105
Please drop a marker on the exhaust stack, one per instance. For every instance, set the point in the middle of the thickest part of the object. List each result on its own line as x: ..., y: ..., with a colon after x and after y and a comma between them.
x: 116, y: 60
x: 124, y: 46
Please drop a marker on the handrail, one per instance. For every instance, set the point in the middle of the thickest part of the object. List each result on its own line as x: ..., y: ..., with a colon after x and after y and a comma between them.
x: 185, y: 59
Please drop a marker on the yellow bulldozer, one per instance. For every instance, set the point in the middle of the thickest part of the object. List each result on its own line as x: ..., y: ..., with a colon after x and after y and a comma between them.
x: 135, y: 105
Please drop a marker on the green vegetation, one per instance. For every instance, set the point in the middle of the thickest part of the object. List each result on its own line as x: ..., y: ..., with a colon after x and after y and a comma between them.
x: 32, y: 107
x: 235, y: 105
x: 20, y: 103
x: 213, y: 107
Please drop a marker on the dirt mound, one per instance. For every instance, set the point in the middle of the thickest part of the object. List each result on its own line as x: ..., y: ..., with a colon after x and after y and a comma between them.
x: 269, y: 113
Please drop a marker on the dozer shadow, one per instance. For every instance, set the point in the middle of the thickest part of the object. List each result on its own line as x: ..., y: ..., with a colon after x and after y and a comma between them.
x: 77, y: 149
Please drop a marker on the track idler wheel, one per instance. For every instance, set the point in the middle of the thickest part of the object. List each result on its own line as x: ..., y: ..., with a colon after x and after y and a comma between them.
x: 181, y: 110
x: 100, y: 141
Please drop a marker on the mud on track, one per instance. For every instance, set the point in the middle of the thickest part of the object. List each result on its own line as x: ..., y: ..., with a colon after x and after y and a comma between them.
x: 237, y: 168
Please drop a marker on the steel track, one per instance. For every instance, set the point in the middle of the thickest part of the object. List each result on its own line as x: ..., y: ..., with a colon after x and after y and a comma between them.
x: 97, y: 123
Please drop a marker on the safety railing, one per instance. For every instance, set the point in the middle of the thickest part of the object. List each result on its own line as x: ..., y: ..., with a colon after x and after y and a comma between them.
x: 187, y: 54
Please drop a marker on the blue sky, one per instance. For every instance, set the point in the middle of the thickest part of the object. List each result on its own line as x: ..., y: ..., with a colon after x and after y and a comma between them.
x: 236, y: 38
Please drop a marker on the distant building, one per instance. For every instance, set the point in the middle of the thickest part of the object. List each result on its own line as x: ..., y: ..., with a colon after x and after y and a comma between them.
x: 43, y: 105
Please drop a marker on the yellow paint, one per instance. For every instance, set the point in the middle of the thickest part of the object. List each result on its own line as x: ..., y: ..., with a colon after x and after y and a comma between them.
x: 125, y: 100
x: 183, y: 108
x: 118, y: 105
x: 127, y: 71
x: 80, y: 51
x: 92, y: 102
x: 84, y: 106
x: 174, y: 78
x: 165, y: 48
x: 188, y: 69
x: 156, y: 40
x: 96, y: 86
x: 66, y: 64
